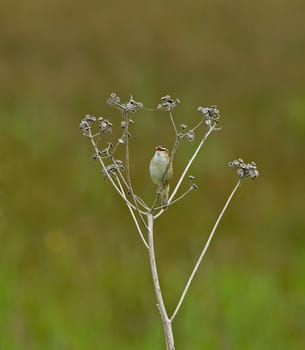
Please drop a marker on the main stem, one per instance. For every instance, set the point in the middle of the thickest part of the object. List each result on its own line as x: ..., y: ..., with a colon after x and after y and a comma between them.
x: 166, y: 323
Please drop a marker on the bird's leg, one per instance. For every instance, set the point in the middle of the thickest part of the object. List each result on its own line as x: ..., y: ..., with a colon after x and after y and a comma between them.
x: 159, y: 190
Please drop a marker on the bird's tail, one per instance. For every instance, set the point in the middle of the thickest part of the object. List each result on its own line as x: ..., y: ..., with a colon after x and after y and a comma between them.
x: 164, y: 195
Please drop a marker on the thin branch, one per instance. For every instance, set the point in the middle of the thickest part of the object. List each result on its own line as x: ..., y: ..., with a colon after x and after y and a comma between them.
x: 173, y: 122
x: 126, y: 136
x: 142, y: 203
x: 128, y: 189
x: 191, y: 161
x: 173, y: 152
x: 133, y: 215
x: 108, y: 175
x: 121, y: 175
x: 103, y: 165
x: 174, y: 149
x: 114, y: 148
x: 197, y: 126
x: 175, y: 200
x: 95, y: 135
x: 205, y: 248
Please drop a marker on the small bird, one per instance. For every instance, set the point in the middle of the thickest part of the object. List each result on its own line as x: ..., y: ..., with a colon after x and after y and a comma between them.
x: 160, y: 173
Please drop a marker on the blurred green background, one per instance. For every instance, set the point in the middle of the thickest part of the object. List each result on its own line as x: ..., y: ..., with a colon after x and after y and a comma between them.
x: 73, y: 273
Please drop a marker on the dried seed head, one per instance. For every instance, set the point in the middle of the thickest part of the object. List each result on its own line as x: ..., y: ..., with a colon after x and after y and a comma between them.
x: 193, y: 187
x: 96, y: 155
x: 191, y: 135
x: 244, y: 170
x: 129, y: 107
x: 133, y: 105
x: 113, y: 100
x: 113, y: 168
x: 90, y: 118
x: 105, y: 126
x: 167, y: 103
x: 86, y: 123
x: 211, y: 115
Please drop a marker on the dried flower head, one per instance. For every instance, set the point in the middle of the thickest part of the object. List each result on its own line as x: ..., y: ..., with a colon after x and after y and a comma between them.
x: 123, y: 124
x: 129, y: 107
x: 244, y: 170
x: 132, y: 106
x: 86, y: 123
x: 193, y: 187
x: 211, y: 114
x: 113, y: 168
x: 167, y: 103
x: 190, y: 135
x: 97, y: 155
x: 105, y: 126
x: 113, y: 100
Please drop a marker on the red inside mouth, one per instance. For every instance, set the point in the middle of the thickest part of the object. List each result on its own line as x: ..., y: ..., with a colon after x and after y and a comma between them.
x: 161, y: 148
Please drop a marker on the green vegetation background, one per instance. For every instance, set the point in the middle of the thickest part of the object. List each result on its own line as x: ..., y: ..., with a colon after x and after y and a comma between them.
x: 73, y: 273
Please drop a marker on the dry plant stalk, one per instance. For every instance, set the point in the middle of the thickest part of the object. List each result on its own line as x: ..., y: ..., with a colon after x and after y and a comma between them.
x: 143, y: 215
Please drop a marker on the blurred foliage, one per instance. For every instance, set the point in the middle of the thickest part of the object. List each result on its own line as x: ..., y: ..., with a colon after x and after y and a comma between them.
x: 73, y: 273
